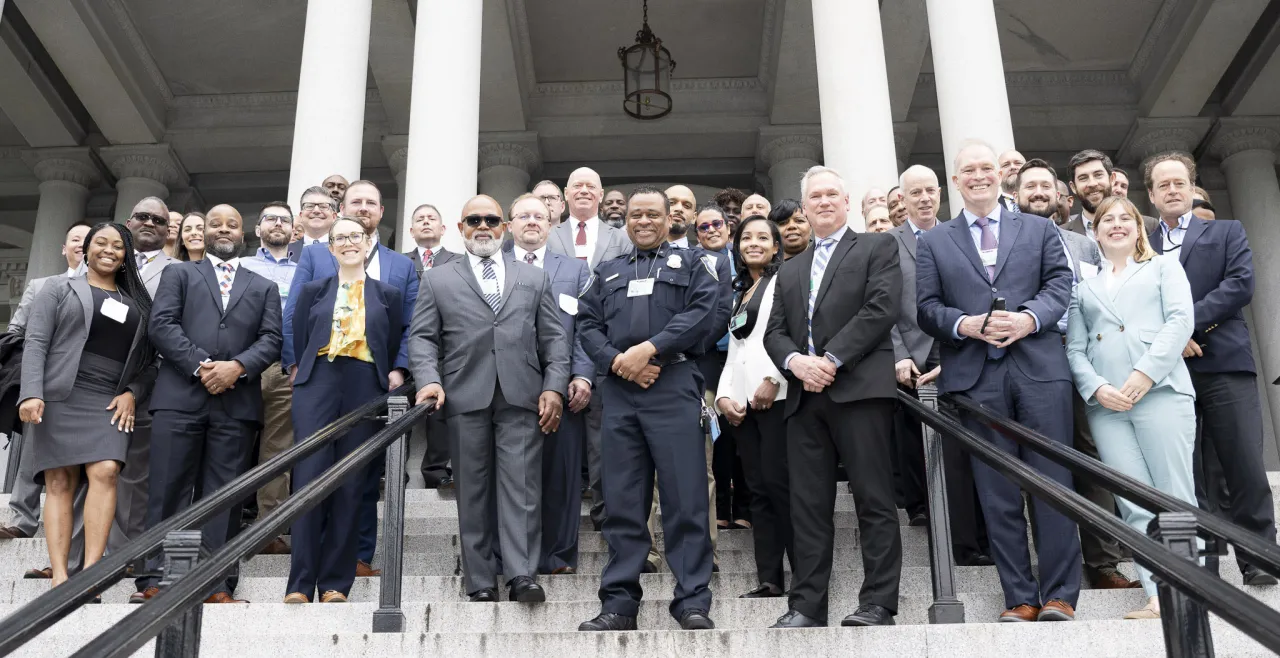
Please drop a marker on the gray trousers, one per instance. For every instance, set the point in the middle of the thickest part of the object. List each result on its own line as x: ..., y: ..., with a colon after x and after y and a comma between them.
x: 131, y: 484
x: 25, y: 503
x: 594, y: 415
x: 497, y: 462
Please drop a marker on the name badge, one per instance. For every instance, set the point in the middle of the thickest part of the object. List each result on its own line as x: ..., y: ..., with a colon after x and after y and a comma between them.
x: 988, y: 257
x: 640, y: 288
x: 581, y: 251
x: 115, y: 310
x: 738, y: 321
x: 488, y: 287
x: 569, y: 304
x: 1088, y: 270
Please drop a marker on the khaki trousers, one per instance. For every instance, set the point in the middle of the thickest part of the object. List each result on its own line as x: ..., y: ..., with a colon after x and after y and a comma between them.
x: 277, y: 434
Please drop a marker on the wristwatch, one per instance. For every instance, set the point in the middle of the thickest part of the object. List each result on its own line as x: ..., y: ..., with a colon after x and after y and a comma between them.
x: 771, y: 380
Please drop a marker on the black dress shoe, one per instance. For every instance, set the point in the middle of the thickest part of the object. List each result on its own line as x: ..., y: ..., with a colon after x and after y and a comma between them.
x: 869, y: 615
x: 918, y: 520
x: 525, y: 590
x: 596, y: 525
x: 608, y: 621
x: 1255, y: 576
x: 794, y: 619
x: 976, y: 560
x: 446, y: 483
x: 648, y: 567
x: 764, y: 591
x: 486, y: 595
x: 696, y: 620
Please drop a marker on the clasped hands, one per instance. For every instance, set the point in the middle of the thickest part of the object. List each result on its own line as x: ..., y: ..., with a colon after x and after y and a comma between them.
x: 1003, y: 329
x: 815, y: 372
x: 633, y: 365
x: 220, y: 376
x: 1133, y: 390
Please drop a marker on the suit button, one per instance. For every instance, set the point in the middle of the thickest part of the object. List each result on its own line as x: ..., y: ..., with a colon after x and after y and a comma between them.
x: 994, y: 290
x: 222, y: 326
x: 495, y: 324
x: 1099, y: 336
x: 492, y: 352
x: 1121, y: 327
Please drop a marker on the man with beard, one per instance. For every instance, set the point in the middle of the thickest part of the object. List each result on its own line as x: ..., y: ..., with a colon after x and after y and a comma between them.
x: 363, y: 203
x: 318, y: 213
x: 1065, y: 201
x: 336, y: 186
x: 207, y: 410
x: 1038, y: 195
x: 1090, y: 175
x: 274, y: 230
x: 1010, y: 162
x: 499, y: 318
x: 615, y: 209
x: 793, y: 225
x: 551, y: 195
x: 683, y: 204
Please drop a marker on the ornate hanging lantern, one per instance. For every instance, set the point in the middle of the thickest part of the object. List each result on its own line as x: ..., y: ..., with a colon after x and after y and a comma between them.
x: 646, y: 74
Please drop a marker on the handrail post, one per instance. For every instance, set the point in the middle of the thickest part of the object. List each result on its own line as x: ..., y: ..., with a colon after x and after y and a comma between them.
x: 1186, y: 623
x: 946, y: 608
x: 389, y: 617
x: 183, y: 549
x: 13, y: 463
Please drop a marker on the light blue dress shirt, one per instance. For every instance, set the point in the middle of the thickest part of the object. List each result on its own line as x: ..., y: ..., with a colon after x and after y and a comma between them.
x: 1173, y: 237
x: 279, y: 272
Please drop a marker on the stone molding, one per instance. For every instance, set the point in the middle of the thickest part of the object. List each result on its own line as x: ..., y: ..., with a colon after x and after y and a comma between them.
x: 155, y: 162
x: 615, y: 87
x: 1239, y: 134
x: 1142, y: 58
x: 255, y: 99
x: 74, y: 164
x: 1148, y: 137
x: 800, y: 143
x: 139, y: 47
x: 520, y: 155
x: 396, y: 150
x: 1051, y: 79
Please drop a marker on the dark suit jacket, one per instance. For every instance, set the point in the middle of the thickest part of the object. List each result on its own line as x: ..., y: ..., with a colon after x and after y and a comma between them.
x: 856, y: 307
x: 394, y: 269
x: 1032, y: 274
x: 909, y: 342
x: 313, y: 323
x: 295, y: 250
x: 570, y: 277
x: 1219, y: 265
x: 441, y: 256
x: 188, y: 326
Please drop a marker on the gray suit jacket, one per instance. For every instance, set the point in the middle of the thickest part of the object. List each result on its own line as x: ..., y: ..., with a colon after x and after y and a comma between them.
x: 610, y: 244
x: 151, y: 276
x: 458, y: 341
x: 56, y: 333
x: 1076, y: 224
x: 1081, y: 248
x: 440, y: 256
x: 909, y: 342
x: 18, y: 323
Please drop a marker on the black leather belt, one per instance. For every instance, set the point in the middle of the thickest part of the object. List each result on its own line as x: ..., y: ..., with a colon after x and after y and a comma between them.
x: 663, y: 362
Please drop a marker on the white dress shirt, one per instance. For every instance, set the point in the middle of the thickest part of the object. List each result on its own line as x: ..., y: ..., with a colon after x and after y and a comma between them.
x: 1173, y: 237
x: 539, y: 255
x: 499, y: 268
x: 593, y: 234
x: 235, y: 267
x: 307, y: 242
x: 373, y: 269
x: 683, y: 242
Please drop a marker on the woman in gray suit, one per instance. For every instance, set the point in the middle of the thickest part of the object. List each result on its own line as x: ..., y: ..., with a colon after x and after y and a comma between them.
x: 86, y: 335
x: 1126, y: 331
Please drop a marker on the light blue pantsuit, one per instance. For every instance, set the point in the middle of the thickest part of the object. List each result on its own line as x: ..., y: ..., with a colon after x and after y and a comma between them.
x: 1139, y: 320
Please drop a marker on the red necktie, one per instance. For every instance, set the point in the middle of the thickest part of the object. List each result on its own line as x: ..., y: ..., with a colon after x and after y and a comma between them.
x: 427, y: 259
x: 581, y: 239
x: 530, y: 257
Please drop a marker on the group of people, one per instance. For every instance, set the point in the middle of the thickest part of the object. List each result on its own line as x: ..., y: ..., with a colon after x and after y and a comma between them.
x: 725, y: 363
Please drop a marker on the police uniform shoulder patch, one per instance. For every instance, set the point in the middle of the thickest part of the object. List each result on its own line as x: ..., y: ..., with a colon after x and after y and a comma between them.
x: 709, y: 262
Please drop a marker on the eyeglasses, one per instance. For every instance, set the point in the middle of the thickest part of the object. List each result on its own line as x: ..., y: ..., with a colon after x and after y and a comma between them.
x: 530, y: 216
x: 551, y: 198
x: 716, y: 224
x: 314, y: 205
x: 275, y: 219
x: 159, y: 221
x: 474, y: 221
x: 350, y: 238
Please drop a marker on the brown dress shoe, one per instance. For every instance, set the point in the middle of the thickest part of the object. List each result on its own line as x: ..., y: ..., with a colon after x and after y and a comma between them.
x: 39, y: 574
x: 1112, y: 579
x: 1024, y: 612
x: 558, y: 571
x: 12, y: 532
x: 144, y: 596
x: 333, y: 596
x: 363, y: 570
x: 276, y: 547
x: 1056, y: 610
x: 297, y: 597
x: 223, y: 597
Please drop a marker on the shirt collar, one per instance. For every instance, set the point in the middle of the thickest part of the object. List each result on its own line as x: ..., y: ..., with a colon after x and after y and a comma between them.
x: 682, y: 242
x: 540, y: 253
x: 150, y: 255
x: 993, y: 216
x: 1182, y: 224
x: 215, y: 261
x: 306, y: 241
x: 591, y: 221
x: 475, y: 260
x: 265, y: 254
x: 837, y: 236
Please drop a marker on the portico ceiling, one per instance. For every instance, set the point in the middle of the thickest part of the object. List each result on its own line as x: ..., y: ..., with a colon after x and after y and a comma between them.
x: 1074, y: 35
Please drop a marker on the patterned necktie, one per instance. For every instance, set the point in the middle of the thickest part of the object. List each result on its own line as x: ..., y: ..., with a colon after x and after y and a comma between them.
x: 530, y: 257
x: 987, y: 243
x: 143, y: 261
x: 428, y: 259
x: 490, y: 275
x: 225, y: 272
x: 821, y: 256
x: 581, y: 239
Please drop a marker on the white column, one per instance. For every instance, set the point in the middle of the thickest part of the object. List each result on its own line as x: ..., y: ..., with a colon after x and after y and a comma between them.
x: 853, y: 94
x: 1247, y: 147
x: 142, y: 170
x: 328, y: 129
x: 969, y: 76
x: 396, y: 149
x: 444, y: 111
x: 787, y: 157
x: 506, y: 163
x: 65, y: 175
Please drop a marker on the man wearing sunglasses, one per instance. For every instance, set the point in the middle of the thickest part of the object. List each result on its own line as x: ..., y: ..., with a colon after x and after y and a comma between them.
x: 489, y: 350
x: 363, y: 203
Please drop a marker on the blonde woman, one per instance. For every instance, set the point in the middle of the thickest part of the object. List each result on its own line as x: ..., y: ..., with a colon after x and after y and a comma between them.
x: 1125, y: 336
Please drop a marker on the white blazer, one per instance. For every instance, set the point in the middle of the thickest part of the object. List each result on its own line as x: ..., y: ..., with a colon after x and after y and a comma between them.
x: 748, y: 364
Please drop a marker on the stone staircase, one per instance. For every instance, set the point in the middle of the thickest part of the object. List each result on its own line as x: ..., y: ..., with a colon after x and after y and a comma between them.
x: 441, y: 622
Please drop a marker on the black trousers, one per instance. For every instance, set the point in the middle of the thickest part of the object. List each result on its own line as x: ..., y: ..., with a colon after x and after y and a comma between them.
x: 762, y: 448
x: 1100, y: 554
x: 734, y: 493
x: 858, y: 433
x: 1229, y: 419
x: 206, y: 447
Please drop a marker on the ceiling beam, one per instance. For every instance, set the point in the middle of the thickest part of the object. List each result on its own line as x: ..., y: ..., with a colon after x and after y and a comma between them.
x: 794, y: 91
x: 906, y: 41
x: 31, y: 99
x: 1256, y: 61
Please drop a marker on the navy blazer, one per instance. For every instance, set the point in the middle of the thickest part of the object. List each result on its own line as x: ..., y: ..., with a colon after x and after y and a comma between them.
x: 570, y: 277
x: 1219, y: 265
x: 189, y: 325
x: 394, y: 269
x: 313, y: 323
x: 1032, y: 274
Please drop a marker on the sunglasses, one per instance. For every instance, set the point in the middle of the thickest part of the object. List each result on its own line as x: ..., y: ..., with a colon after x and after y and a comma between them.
x: 716, y: 224
x: 474, y: 221
x: 160, y: 221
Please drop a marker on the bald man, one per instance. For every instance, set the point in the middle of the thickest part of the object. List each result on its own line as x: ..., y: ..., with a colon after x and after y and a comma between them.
x: 207, y: 402
x: 336, y: 186
x: 875, y: 196
x: 583, y: 235
x: 755, y: 205
x: 1010, y: 163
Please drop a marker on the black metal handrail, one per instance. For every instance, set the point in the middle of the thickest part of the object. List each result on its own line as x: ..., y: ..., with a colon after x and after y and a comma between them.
x: 52, y: 606
x: 1254, y: 549
x: 1180, y: 573
x: 135, y: 630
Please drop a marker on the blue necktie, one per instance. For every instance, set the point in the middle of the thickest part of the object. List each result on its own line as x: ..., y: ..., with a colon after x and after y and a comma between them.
x: 489, y: 275
x: 821, y: 256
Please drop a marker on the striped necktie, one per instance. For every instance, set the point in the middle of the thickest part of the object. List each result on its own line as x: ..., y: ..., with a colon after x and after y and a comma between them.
x: 490, y: 275
x: 225, y: 273
x: 821, y: 256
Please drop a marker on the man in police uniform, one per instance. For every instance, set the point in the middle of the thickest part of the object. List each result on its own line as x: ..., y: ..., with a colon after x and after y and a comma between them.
x: 646, y: 319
